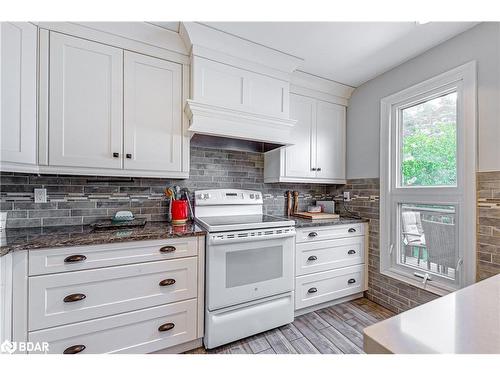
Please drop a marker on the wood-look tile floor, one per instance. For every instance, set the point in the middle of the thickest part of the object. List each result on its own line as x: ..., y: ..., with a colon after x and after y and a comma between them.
x: 333, y: 330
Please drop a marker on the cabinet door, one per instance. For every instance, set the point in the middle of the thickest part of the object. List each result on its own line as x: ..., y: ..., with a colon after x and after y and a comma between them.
x: 298, y: 158
x: 152, y: 114
x: 330, y: 141
x: 18, y: 92
x: 85, y: 111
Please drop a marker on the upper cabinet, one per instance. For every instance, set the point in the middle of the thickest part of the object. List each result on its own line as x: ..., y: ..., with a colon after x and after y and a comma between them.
x: 110, y: 111
x: 18, y: 128
x: 319, y: 137
x: 86, y: 101
x: 152, y: 114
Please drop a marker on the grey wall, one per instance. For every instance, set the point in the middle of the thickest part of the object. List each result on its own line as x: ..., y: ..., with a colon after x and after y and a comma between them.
x: 481, y: 43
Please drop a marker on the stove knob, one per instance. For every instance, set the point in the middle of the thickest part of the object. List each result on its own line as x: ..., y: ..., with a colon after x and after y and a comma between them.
x: 199, y: 196
x: 257, y: 196
x: 206, y: 196
x: 252, y: 196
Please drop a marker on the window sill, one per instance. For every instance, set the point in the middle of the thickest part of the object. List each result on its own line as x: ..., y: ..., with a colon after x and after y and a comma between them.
x: 439, y: 289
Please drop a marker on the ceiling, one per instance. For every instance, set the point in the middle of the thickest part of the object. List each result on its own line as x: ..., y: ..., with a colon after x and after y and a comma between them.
x: 347, y: 52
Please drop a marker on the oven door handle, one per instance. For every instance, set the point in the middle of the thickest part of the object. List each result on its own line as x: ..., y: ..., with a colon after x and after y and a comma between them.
x: 215, y: 239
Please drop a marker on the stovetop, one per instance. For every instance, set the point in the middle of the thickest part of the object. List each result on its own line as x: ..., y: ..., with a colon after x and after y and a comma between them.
x: 242, y: 222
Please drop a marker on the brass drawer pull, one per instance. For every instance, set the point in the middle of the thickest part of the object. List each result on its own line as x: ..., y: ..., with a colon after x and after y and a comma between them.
x: 351, y: 281
x: 312, y: 290
x: 75, y: 258
x: 167, y: 282
x: 167, y: 249
x: 350, y: 252
x: 75, y: 297
x: 312, y: 257
x: 166, y: 327
x: 75, y: 349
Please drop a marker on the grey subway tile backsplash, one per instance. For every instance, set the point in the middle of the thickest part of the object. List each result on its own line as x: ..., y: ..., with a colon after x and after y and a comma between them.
x: 87, y: 199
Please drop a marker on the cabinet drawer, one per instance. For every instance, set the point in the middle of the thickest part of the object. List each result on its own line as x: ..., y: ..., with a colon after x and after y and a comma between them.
x: 108, y: 291
x: 96, y: 256
x: 327, y: 233
x: 134, y: 332
x: 327, y: 286
x: 328, y: 255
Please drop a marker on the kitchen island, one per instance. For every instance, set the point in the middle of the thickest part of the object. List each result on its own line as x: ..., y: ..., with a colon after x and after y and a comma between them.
x: 464, y: 322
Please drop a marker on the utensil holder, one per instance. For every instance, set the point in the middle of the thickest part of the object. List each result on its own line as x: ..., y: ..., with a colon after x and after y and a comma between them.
x: 179, y: 211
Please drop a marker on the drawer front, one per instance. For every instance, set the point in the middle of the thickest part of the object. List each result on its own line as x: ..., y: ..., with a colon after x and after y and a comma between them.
x: 142, y: 331
x: 327, y: 286
x: 328, y: 255
x: 313, y: 234
x: 56, y: 299
x: 96, y: 256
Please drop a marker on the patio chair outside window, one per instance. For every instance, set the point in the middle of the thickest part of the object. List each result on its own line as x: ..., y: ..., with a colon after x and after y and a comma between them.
x: 441, y: 250
x: 413, y: 235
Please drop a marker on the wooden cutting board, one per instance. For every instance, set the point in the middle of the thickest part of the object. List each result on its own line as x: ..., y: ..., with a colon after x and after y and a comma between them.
x: 316, y: 215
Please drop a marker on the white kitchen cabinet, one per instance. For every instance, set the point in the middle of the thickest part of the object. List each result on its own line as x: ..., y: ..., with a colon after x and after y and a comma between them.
x: 18, y: 96
x: 300, y: 157
x: 331, y: 265
x: 318, y: 153
x: 152, y: 114
x: 330, y: 141
x: 126, y: 297
x: 86, y: 101
x: 129, y: 103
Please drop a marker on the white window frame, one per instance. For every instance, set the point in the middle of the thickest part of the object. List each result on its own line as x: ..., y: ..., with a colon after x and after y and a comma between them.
x: 463, y: 196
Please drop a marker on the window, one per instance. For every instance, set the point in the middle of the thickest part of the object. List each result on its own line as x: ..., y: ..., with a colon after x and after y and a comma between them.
x: 427, y: 182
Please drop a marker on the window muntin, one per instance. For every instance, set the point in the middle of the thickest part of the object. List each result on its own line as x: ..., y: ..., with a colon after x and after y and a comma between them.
x: 428, y: 142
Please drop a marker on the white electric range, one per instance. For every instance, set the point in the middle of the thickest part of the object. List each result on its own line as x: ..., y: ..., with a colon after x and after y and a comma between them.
x: 249, y: 265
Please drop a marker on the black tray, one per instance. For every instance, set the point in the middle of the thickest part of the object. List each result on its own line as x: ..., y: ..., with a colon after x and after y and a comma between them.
x: 111, y: 224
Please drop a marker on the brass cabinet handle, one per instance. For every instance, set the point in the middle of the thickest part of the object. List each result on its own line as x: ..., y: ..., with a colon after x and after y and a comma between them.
x: 75, y: 349
x: 116, y: 154
x: 167, y: 282
x: 351, y: 230
x: 167, y: 249
x: 312, y: 234
x: 75, y: 258
x: 166, y: 327
x: 128, y: 156
x: 75, y: 297
x: 351, y: 281
x: 350, y: 252
x: 312, y: 290
x: 312, y: 257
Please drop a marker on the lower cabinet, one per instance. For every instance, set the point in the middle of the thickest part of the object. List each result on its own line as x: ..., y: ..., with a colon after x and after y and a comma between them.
x: 140, y: 331
x: 153, y: 304
x: 330, y: 265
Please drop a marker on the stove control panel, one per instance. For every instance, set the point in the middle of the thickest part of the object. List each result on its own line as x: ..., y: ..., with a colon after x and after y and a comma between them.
x: 227, y: 197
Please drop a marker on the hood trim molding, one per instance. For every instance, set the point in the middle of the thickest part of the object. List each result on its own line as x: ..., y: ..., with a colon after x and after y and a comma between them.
x: 224, y: 122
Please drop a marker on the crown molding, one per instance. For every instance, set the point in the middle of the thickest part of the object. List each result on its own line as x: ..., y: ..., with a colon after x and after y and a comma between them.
x: 205, y: 41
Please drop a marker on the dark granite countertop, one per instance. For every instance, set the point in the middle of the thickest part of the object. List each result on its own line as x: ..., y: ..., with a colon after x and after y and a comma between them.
x: 78, y: 235
x: 307, y: 223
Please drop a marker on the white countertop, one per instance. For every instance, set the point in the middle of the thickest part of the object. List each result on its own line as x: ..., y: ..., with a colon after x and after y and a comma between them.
x: 466, y: 321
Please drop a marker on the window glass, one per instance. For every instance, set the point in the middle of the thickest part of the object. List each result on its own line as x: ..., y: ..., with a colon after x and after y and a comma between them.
x: 429, y: 143
x: 428, y: 239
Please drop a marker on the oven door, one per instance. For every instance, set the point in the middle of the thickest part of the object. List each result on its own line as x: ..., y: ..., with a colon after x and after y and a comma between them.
x: 247, y: 265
